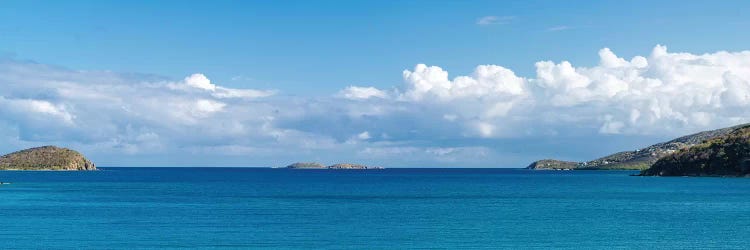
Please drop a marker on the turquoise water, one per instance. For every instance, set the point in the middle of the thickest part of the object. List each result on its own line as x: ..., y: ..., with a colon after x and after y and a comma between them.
x: 380, y: 209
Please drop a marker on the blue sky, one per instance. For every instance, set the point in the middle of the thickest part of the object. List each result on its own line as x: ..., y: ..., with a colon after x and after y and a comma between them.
x: 293, y: 63
x: 328, y: 44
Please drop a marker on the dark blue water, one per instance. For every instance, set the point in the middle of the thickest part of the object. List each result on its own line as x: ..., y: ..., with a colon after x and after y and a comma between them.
x: 380, y: 209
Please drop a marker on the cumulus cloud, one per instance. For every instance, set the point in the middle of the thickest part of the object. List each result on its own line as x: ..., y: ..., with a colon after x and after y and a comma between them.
x: 478, y: 101
x: 659, y: 93
x: 663, y: 92
x: 487, y: 80
x: 199, y: 81
x: 49, y: 104
x: 202, y: 83
x: 362, y: 93
x: 31, y: 108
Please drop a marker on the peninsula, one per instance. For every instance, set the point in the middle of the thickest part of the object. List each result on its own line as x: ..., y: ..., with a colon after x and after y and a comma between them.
x: 640, y: 159
x: 726, y: 155
x: 46, y: 158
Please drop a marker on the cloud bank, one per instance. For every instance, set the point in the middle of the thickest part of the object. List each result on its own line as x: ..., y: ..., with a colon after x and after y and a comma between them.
x: 665, y: 92
x: 432, y: 118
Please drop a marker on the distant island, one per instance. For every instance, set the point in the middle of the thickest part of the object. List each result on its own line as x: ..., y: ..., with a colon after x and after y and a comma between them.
x: 315, y: 165
x: 46, y: 158
x: 640, y: 159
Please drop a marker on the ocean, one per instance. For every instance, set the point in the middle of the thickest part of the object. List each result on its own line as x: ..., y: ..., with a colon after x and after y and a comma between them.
x: 241, y: 208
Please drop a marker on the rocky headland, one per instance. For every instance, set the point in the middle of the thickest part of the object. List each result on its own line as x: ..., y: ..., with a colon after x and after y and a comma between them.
x: 640, y: 159
x: 725, y: 155
x: 552, y: 164
x: 46, y: 158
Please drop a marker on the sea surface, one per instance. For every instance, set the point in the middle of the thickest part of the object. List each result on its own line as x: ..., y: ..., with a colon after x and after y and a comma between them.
x: 241, y: 208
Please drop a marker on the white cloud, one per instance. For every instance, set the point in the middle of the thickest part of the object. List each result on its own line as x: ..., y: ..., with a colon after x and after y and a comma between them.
x: 364, y: 135
x: 559, y: 28
x: 660, y: 93
x: 490, y: 20
x: 433, y: 115
x: 222, y: 92
x: 487, y: 80
x: 480, y: 100
x: 452, y: 155
x: 355, y: 139
x: 34, y: 108
x: 105, y: 108
x: 199, y: 81
x: 202, y: 83
x: 362, y: 93
x: 206, y: 107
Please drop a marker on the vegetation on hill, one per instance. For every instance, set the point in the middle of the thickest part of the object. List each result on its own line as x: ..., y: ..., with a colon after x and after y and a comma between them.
x: 347, y: 166
x: 726, y: 155
x: 552, y: 165
x: 46, y: 158
x: 643, y: 158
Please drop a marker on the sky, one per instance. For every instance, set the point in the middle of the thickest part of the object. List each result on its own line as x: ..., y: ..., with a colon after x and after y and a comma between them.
x: 388, y: 83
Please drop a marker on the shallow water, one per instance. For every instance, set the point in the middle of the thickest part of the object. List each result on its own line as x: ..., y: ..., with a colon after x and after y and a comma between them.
x: 391, y: 208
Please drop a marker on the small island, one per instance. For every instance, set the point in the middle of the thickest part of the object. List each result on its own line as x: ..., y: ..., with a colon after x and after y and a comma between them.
x: 46, y: 158
x: 315, y: 165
